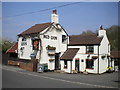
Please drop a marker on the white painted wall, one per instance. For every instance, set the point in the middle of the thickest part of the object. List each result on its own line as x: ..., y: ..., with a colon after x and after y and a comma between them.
x: 27, y: 48
x: 68, y: 69
x: 104, y: 50
x: 103, y: 64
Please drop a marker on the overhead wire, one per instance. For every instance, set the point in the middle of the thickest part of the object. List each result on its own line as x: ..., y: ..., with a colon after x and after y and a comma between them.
x: 43, y: 10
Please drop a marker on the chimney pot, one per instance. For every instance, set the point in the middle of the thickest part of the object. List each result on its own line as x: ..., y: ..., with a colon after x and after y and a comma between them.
x: 54, y: 11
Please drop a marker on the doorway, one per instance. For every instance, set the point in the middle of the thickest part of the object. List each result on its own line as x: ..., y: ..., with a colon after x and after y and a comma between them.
x: 57, y: 61
x: 77, y: 64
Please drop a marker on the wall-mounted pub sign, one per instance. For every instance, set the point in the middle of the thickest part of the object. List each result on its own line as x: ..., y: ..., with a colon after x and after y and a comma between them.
x: 50, y: 37
x: 35, y: 44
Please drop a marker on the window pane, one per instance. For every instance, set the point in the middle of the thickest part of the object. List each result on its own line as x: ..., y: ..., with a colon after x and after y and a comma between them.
x: 89, y: 49
x: 23, y: 39
x: 64, y: 38
x: 89, y: 63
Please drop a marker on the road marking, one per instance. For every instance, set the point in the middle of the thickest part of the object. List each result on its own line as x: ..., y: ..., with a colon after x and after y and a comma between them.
x: 87, y: 84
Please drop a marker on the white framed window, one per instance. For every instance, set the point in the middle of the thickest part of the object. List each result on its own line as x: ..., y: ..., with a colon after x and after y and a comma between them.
x: 23, y: 39
x: 89, y: 63
x: 64, y: 38
x: 90, y: 49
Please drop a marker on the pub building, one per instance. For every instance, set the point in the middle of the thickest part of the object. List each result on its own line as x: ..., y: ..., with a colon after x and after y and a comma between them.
x: 49, y: 44
x: 45, y: 42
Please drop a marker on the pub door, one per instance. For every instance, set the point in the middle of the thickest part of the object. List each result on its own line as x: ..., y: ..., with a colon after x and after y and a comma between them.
x: 57, y: 61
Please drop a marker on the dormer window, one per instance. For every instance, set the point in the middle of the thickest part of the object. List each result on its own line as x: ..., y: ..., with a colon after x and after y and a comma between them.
x: 64, y: 38
x: 90, y: 49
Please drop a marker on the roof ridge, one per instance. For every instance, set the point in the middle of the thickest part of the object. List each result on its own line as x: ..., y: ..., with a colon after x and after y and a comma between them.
x: 85, y: 35
x: 43, y: 23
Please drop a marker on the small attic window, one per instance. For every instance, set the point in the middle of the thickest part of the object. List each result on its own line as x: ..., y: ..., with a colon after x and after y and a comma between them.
x: 23, y: 39
x: 64, y: 38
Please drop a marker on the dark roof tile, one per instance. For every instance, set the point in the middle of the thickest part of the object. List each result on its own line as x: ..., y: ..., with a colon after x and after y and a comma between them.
x: 69, y: 54
x: 36, y: 28
x: 91, y: 39
x: 115, y: 54
x: 13, y: 49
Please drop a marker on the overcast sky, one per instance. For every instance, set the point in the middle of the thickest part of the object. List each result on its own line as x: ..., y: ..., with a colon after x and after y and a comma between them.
x: 74, y: 18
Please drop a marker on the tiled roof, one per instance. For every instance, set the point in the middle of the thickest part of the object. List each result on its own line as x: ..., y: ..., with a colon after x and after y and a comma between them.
x: 91, y: 39
x: 13, y: 49
x: 36, y: 28
x: 115, y: 54
x: 69, y: 54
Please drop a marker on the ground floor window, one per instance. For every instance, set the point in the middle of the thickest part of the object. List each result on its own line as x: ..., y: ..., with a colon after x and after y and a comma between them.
x: 90, y: 63
x: 65, y: 64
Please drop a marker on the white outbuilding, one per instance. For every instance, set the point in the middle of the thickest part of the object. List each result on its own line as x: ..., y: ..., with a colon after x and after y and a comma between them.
x: 45, y: 42
x: 87, y: 53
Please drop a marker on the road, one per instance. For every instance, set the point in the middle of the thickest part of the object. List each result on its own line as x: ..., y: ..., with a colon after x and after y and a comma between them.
x: 17, y: 78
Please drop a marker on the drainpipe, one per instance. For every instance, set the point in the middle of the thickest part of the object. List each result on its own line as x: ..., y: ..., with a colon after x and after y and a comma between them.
x: 98, y: 59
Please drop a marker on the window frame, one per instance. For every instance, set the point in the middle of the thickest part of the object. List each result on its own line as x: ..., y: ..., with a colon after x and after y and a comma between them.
x: 24, y: 39
x: 90, y: 49
x: 91, y: 64
x: 64, y: 38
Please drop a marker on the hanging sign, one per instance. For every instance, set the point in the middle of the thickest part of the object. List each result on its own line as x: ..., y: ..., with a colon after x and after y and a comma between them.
x: 35, y: 44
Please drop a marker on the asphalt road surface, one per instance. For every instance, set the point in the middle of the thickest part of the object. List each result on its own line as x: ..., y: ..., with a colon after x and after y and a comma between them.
x: 17, y: 78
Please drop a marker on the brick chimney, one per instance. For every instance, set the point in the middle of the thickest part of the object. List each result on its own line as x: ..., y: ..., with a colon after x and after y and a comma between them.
x: 54, y: 17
